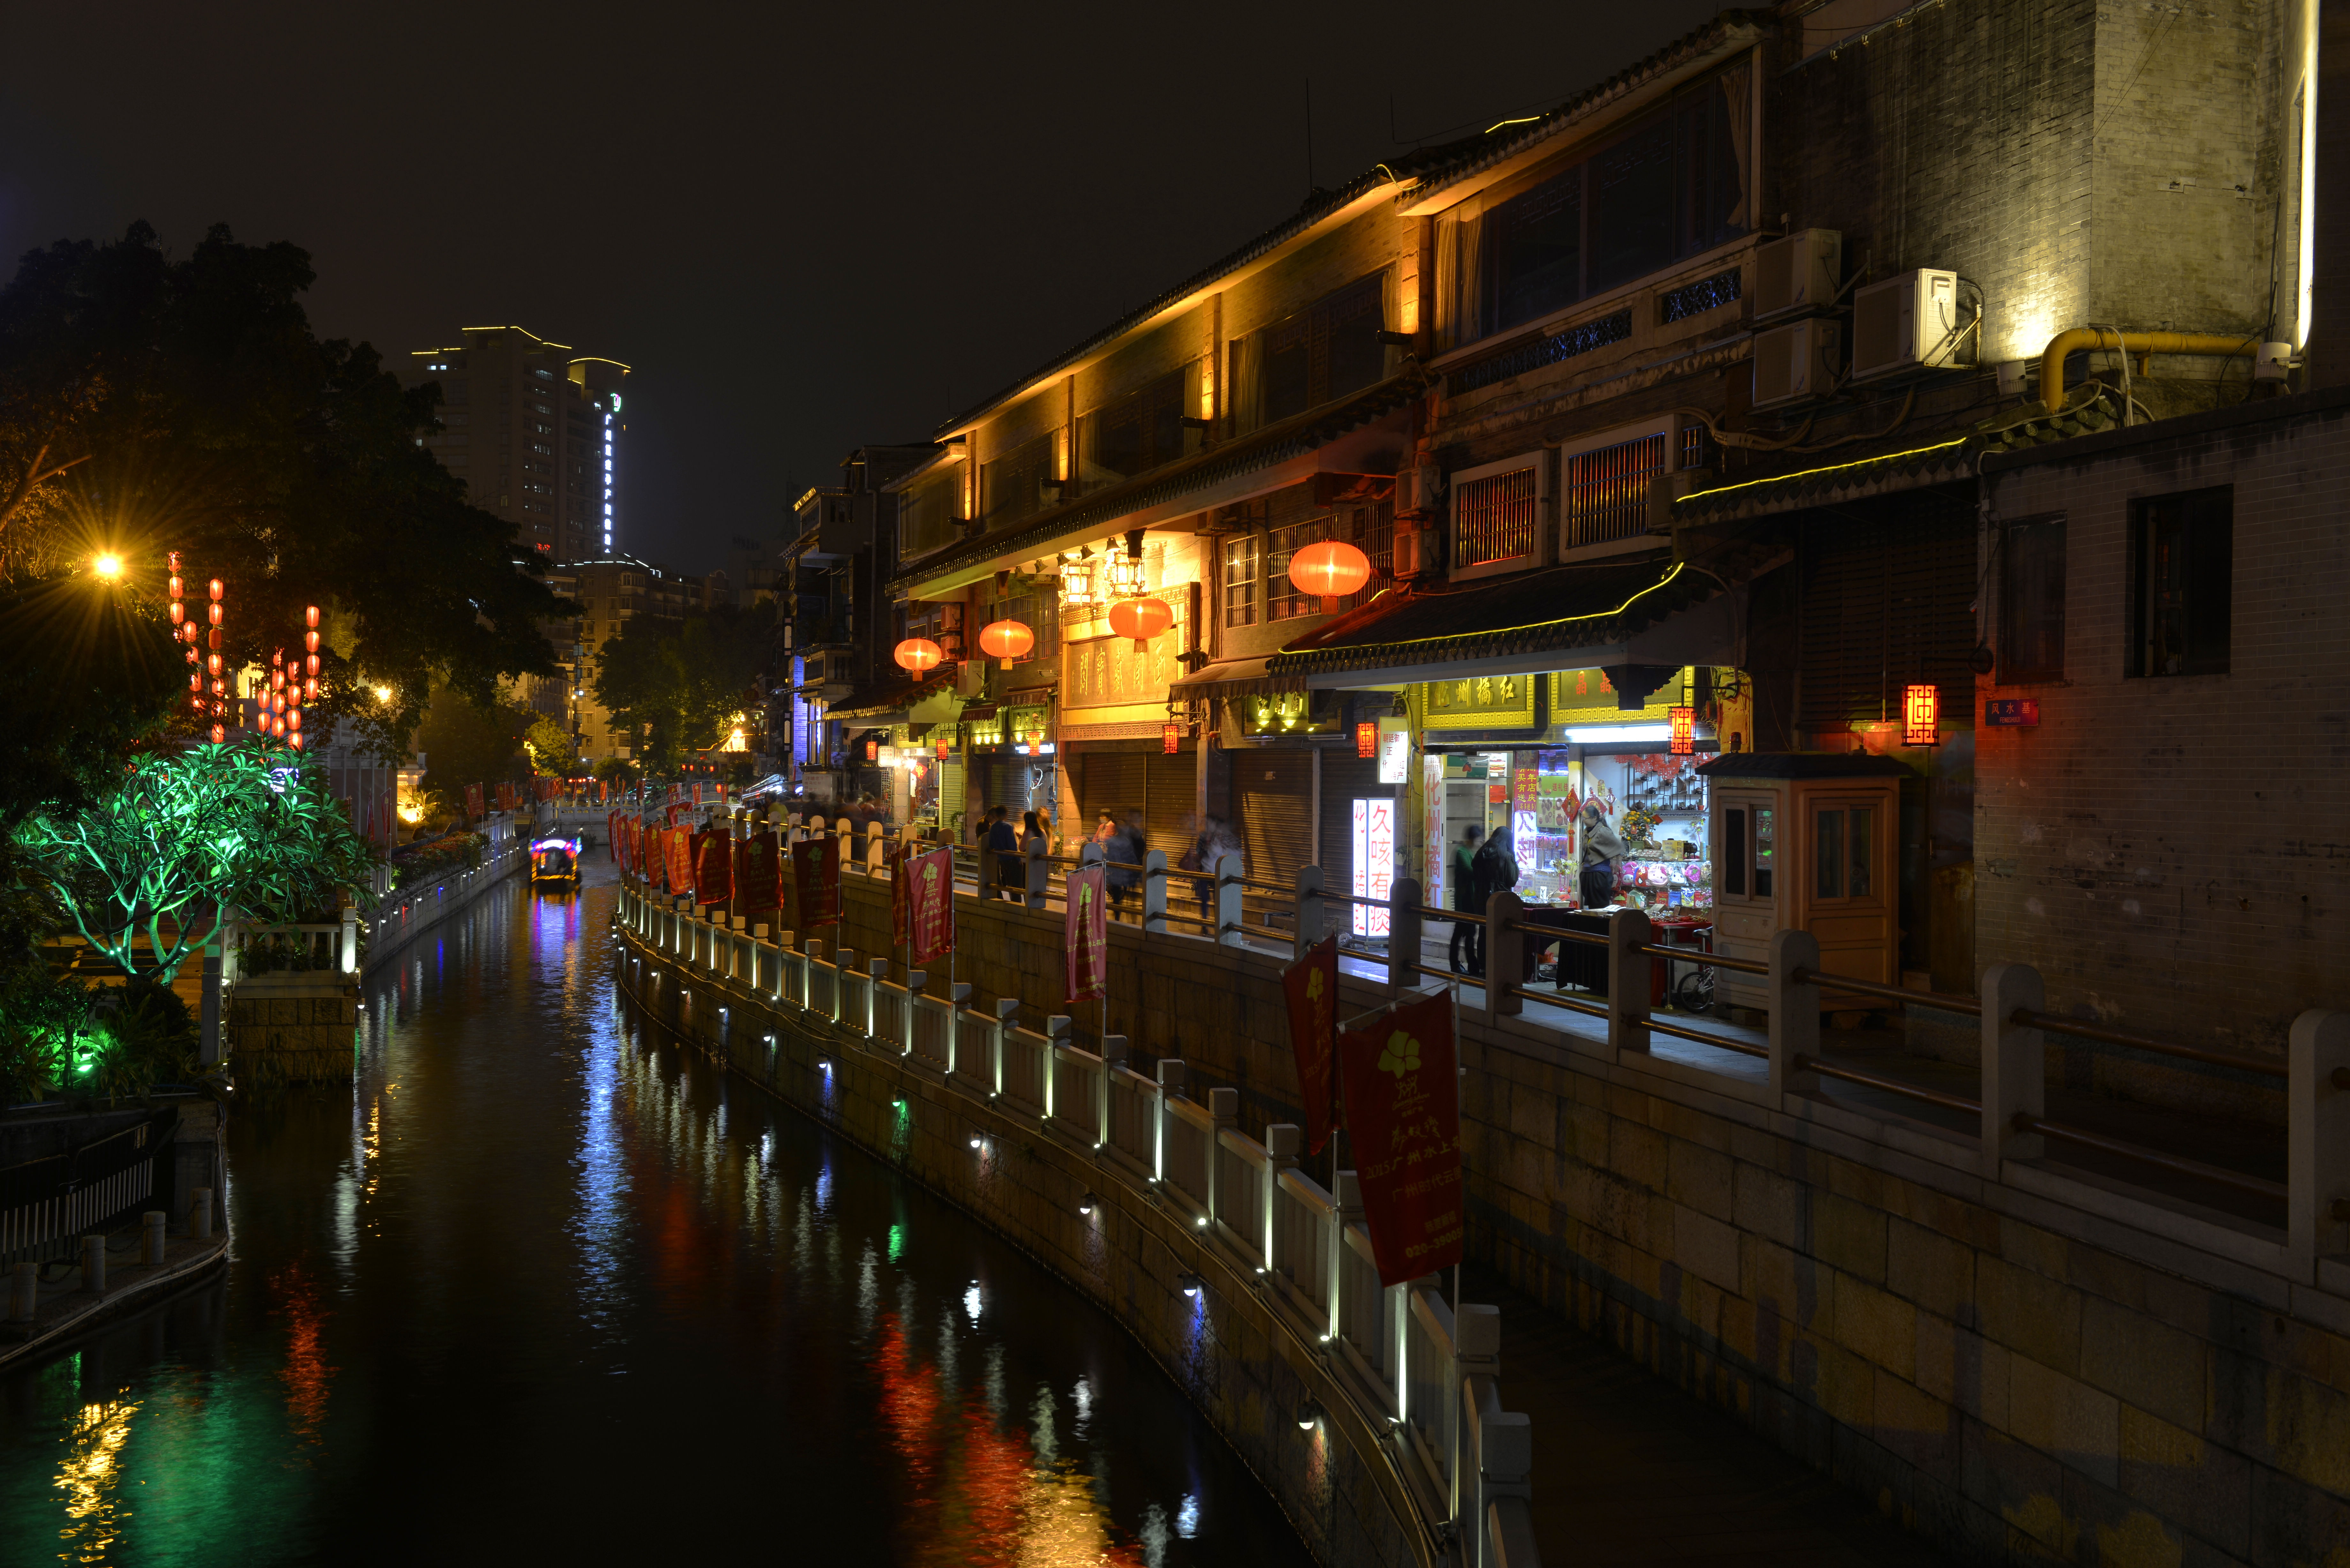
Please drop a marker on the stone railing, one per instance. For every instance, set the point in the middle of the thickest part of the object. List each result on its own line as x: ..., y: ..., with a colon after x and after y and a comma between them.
x: 1419, y: 1379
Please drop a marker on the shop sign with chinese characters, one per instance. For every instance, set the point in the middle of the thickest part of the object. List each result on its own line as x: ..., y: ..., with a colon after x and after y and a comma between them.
x: 2012, y: 713
x: 1482, y: 702
x: 1111, y: 673
x: 1374, y: 849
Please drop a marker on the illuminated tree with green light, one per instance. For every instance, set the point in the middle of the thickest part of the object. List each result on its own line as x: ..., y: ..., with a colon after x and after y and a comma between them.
x: 184, y: 839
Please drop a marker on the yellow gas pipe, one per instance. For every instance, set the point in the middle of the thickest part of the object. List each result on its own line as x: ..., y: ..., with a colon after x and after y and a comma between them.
x: 2073, y: 339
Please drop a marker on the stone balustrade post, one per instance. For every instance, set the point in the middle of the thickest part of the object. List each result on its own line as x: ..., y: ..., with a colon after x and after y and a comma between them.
x: 1154, y: 891
x: 1228, y: 902
x: 1170, y: 1075
x: 2014, y: 1065
x: 1630, y: 975
x: 1223, y: 1111
x: 1309, y: 910
x: 2317, y: 1138
x: 1282, y: 1142
x: 1795, y: 1026
x: 1506, y: 956
x: 1403, y: 935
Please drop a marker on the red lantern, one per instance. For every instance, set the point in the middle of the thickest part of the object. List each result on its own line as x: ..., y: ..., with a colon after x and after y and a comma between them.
x: 293, y: 717
x: 310, y: 618
x: 176, y: 592
x: 219, y: 734
x: 1367, y: 740
x: 1007, y: 640
x: 1921, y: 715
x: 1140, y: 619
x: 294, y: 741
x: 178, y: 614
x: 1330, y: 567
x: 310, y: 640
x: 309, y: 692
x: 918, y: 654
x: 943, y: 749
x: 1170, y: 737
x: 216, y: 613
x: 212, y: 665
x: 218, y: 589
x: 872, y: 750
x: 1684, y: 731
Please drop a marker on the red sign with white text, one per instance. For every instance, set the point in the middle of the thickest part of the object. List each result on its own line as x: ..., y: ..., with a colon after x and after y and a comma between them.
x: 1087, y: 938
x: 928, y: 882
x: 761, y: 883
x: 677, y: 856
x: 1311, y: 987
x: 1403, y: 1113
x: 815, y: 880
x: 713, y: 867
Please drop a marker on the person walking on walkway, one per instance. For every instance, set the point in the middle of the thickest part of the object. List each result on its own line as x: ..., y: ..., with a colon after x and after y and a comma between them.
x: 1215, y: 841
x: 1033, y: 841
x: 1603, y: 851
x: 1004, y: 843
x: 1494, y: 870
x: 1468, y: 935
x: 1123, y: 847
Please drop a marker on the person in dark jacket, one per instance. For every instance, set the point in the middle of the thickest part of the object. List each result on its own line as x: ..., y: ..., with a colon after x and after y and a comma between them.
x: 1494, y: 870
x: 1467, y: 935
x: 1004, y: 843
x: 1123, y: 846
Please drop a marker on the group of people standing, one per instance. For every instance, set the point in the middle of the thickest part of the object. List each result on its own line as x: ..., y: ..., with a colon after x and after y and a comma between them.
x: 1124, y: 843
x: 1481, y: 869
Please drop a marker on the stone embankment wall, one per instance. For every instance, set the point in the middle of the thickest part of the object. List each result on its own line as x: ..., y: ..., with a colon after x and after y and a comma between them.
x: 1242, y: 1366
x: 2050, y: 1363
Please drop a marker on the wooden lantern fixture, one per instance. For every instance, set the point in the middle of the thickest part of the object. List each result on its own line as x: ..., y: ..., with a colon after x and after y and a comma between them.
x: 1170, y: 737
x: 1367, y: 739
x: 919, y: 655
x: 872, y: 750
x: 1921, y: 715
x: 1331, y: 569
x: 1684, y: 731
x: 1007, y: 640
x: 1141, y: 619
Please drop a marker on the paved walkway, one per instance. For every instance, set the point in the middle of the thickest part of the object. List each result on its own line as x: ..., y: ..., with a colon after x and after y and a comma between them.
x: 1630, y: 1469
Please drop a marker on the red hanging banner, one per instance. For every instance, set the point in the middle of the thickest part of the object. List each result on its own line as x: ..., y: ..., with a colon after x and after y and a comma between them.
x: 678, y: 853
x: 761, y: 888
x: 1087, y: 938
x: 612, y: 833
x: 1311, y: 987
x: 929, y: 881
x: 815, y: 880
x: 713, y: 867
x: 896, y: 899
x: 669, y: 816
x: 472, y: 800
x: 1403, y: 1111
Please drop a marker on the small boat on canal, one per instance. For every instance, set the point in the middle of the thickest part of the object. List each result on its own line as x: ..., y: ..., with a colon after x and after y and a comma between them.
x: 554, y: 865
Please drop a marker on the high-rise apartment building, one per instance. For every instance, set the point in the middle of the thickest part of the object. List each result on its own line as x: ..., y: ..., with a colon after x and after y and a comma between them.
x: 535, y: 431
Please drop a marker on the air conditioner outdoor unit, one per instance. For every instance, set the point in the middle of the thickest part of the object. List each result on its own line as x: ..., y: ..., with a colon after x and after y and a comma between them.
x: 1801, y: 271
x: 1908, y: 323
x: 1796, y: 361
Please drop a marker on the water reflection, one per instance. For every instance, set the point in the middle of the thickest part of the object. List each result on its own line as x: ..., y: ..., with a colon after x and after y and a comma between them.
x: 541, y: 1287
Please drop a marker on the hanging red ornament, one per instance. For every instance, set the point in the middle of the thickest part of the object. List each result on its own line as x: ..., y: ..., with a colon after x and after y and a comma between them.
x: 218, y: 589
x: 310, y: 618
x: 178, y: 614
x: 1140, y: 619
x: 1330, y: 567
x: 310, y: 640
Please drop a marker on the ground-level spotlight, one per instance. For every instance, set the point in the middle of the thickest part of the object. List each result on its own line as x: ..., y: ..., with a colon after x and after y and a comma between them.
x: 1087, y: 1204
x: 1190, y: 1285
x: 1309, y: 1416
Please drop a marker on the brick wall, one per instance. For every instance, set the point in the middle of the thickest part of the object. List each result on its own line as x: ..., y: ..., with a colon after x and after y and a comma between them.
x: 2171, y: 853
x: 2006, y: 1376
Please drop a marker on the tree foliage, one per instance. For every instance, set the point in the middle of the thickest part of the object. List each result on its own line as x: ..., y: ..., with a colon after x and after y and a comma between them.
x: 550, y: 748
x: 183, y: 838
x: 674, y: 687
x: 92, y: 674
x: 150, y: 404
x: 466, y: 743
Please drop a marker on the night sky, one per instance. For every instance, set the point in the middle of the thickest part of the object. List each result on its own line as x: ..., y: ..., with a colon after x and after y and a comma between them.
x: 805, y: 228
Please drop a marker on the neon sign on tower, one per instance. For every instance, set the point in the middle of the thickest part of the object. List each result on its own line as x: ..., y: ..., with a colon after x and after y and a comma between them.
x: 608, y: 414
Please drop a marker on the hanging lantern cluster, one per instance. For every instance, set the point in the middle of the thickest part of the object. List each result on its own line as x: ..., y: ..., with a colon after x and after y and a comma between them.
x: 919, y: 655
x: 1141, y: 619
x: 1921, y: 715
x: 1331, y: 569
x: 207, y: 683
x: 1007, y: 640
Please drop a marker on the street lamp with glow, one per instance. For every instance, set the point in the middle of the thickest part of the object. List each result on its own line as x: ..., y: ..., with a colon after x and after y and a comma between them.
x: 106, y: 565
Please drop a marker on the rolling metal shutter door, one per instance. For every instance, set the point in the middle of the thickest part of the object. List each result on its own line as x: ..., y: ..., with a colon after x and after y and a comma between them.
x: 1110, y: 782
x: 1275, y: 792
x: 1886, y: 603
x: 951, y: 791
x: 1345, y: 779
x: 1169, y: 811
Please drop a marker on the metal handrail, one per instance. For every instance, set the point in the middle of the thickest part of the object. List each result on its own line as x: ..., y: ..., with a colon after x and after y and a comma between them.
x: 2259, y: 1187
x: 1555, y: 933
x: 2025, y: 1018
x: 1933, y: 999
x: 1548, y: 999
x: 1890, y: 1086
x: 1703, y: 956
x: 1656, y: 1025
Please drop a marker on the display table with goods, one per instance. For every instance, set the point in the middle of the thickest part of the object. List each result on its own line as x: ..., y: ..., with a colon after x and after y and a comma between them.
x: 1665, y: 870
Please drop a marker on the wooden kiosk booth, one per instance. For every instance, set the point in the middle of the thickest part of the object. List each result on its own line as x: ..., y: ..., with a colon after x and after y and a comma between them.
x: 1806, y: 841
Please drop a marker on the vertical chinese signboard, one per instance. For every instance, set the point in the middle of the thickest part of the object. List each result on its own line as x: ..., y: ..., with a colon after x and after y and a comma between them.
x: 1374, y: 847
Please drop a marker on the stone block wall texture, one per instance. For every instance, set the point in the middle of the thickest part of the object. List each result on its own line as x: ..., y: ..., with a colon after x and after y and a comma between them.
x: 2171, y: 853
x: 1226, y: 1351
x: 1956, y: 1352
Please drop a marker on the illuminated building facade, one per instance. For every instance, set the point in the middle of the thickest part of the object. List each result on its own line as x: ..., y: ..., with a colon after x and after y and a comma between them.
x: 537, y: 432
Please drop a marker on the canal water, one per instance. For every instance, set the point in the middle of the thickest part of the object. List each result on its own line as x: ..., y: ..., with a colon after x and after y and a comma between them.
x: 542, y: 1288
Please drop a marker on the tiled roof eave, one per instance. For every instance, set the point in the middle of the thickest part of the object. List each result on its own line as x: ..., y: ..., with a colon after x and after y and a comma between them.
x: 1509, y: 643
x: 1260, y: 450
